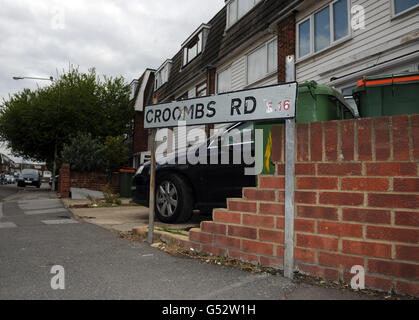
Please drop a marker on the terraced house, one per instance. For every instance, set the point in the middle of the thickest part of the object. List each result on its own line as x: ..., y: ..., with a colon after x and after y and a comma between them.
x: 356, y: 194
x: 245, y: 45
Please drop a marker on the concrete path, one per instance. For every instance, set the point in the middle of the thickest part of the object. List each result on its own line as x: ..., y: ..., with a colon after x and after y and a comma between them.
x: 124, y: 218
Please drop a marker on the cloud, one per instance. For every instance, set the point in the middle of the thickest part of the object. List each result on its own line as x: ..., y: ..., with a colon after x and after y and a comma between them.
x: 117, y: 37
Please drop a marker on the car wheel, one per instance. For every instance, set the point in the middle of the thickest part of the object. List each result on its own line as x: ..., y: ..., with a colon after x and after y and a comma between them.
x: 174, y: 200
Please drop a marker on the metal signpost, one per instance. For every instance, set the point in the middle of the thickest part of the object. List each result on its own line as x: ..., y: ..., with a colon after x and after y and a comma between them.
x: 289, y: 181
x: 260, y: 104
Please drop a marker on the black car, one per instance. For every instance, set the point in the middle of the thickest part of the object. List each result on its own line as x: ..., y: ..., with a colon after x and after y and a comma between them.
x: 181, y: 188
x: 29, y: 177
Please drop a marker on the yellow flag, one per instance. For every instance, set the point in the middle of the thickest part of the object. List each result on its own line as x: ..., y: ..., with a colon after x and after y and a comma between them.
x: 268, y: 153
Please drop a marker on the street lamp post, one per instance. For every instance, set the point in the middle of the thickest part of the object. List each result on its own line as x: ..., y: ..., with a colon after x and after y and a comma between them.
x: 55, y: 148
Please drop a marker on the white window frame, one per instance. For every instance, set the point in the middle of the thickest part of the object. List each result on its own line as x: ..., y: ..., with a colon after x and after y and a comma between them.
x: 199, y: 49
x: 201, y: 88
x: 268, y: 73
x: 396, y: 15
x: 163, y: 70
x: 333, y: 42
x: 229, y: 24
x: 229, y: 69
x: 133, y: 89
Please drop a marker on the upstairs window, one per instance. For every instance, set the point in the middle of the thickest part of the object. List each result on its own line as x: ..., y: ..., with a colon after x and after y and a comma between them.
x: 195, y: 44
x: 323, y: 29
x: 224, y: 81
x: 401, y: 6
x: 193, y: 49
x: 262, y: 62
x: 201, y: 90
x: 162, y: 74
x: 133, y: 89
x: 236, y: 9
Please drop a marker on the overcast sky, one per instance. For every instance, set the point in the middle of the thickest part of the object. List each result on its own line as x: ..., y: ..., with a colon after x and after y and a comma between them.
x: 117, y: 37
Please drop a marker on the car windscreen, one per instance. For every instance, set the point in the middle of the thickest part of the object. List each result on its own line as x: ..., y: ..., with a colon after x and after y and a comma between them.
x: 30, y: 172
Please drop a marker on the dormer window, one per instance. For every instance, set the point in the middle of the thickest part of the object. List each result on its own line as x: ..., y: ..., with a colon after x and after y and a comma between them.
x: 236, y: 9
x: 193, y: 50
x: 195, y: 44
x: 162, y: 74
x: 133, y: 89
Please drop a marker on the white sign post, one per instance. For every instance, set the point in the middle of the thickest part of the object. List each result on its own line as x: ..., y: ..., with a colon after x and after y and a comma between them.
x: 260, y: 104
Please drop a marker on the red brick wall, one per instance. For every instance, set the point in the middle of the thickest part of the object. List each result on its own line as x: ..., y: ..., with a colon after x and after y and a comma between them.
x: 286, y: 43
x: 64, y: 181
x: 140, y: 134
x: 356, y: 203
x: 93, y: 181
x: 84, y: 180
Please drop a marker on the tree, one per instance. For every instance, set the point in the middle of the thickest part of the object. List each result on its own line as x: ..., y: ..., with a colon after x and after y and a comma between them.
x: 85, y: 154
x: 31, y: 122
x: 116, y: 152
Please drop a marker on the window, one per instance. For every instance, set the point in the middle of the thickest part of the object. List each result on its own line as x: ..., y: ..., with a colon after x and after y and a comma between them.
x: 162, y: 75
x: 401, y: 6
x: 224, y: 81
x: 324, y: 28
x: 262, y: 61
x: 201, y: 90
x: 133, y: 87
x: 236, y: 9
x: 192, y: 50
x: 195, y: 44
x: 304, y: 38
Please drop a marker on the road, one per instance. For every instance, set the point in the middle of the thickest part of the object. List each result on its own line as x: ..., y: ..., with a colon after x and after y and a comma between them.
x: 37, y: 233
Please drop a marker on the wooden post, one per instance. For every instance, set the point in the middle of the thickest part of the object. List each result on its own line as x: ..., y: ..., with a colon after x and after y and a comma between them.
x: 289, y: 181
x: 152, y: 187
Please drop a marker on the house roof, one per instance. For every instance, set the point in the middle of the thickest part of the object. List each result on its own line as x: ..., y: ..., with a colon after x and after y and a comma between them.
x: 141, y: 83
x: 222, y: 42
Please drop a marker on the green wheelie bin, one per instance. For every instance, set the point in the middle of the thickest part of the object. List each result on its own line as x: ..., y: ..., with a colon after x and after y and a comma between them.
x: 388, y: 95
x: 125, y: 182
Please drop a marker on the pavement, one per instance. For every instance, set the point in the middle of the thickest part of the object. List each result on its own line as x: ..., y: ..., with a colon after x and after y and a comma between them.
x: 124, y: 218
x: 38, y: 233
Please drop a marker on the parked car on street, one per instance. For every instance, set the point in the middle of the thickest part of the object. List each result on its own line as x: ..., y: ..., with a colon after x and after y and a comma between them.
x: 29, y: 177
x: 182, y: 188
x: 10, y: 179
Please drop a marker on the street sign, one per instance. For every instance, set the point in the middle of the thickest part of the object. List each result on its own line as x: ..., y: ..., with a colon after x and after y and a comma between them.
x: 266, y: 103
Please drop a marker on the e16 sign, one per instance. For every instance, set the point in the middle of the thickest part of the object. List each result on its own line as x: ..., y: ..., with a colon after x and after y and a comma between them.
x: 266, y: 103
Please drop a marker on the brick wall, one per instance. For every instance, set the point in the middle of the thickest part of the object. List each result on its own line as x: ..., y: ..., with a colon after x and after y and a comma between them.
x: 140, y: 139
x: 64, y: 181
x: 286, y: 43
x: 85, y: 180
x: 356, y: 203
